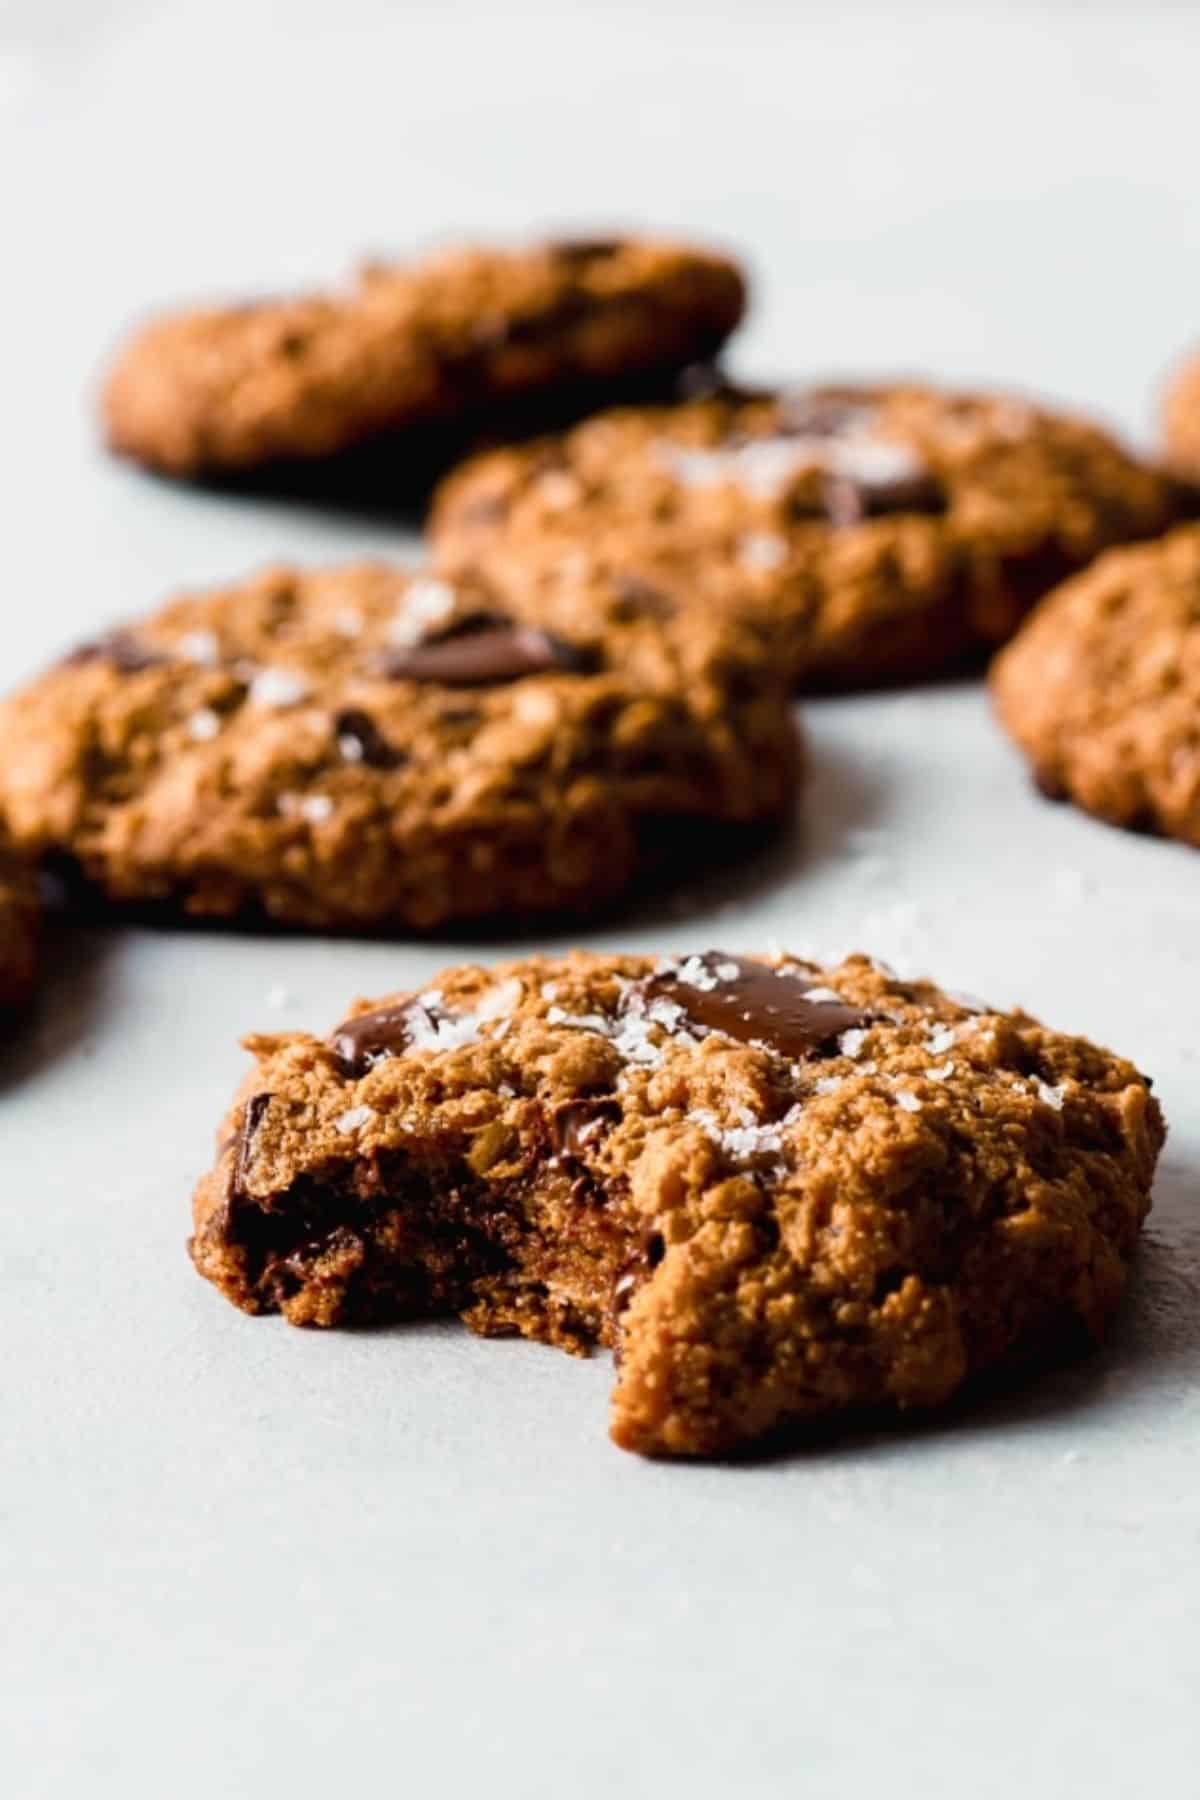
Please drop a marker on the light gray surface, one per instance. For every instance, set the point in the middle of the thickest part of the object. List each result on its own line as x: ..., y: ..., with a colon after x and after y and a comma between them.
x: 243, y: 1560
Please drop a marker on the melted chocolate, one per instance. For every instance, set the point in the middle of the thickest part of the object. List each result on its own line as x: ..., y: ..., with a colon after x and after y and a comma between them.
x: 759, y: 1006
x: 578, y: 1123
x: 358, y: 1043
x: 483, y: 650
x: 847, y: 501
x: 362, y: 730
x: 252, y: 1118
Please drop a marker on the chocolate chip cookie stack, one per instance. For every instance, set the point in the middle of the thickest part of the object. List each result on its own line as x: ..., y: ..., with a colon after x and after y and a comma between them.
x: 777, y: 1191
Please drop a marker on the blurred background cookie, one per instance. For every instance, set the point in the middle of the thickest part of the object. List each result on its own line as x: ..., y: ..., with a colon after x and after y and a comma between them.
x: 875, y: 533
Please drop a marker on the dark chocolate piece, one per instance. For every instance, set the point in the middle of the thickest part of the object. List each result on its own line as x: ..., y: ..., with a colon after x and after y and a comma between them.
x: 358, y: 1043
x: 578, y: 1123
x: 360, y: 728
x: 252, y: 1118
x: 759, y: 1005
x: 637, y: 598
x: 484, y: 650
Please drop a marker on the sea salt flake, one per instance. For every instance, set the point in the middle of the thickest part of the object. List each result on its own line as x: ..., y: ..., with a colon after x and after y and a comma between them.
x: 500, y: 1001
x: 907, y: 1101
x: 693, y: 971
x: 204, y: 725
x: 356, y: 1117
x: 851, y: 1042
x: 429, y: 1029
x: 828, y: 1084
x: 1053, y: 1096
x: 313, y: 808
x: 277, y: 687
x: 938, y: 1042
x: 351, y: 748
x: 823, y: 996
x: 200, y: 647
x: 425, y: 602
x: 580, y: 1021
x: 942, y: 1074
x: 742, y: 1142
x: 549, y: 990
x: 761, y: 550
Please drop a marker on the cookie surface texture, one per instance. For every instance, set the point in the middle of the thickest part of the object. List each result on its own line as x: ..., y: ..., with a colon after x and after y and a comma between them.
x: 779, y: 1192
x: 1101, y: 689
x: 878, y: 534
x: 369, y: 749
x: 445, y: 340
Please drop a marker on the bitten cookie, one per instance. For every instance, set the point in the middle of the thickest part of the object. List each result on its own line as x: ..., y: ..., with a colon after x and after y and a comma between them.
x: 449, y: 340
x: 879, y: 533
x: 1102, y: 688
x: 366, y: 748
x: 779, y: 1192
x: 19, y: 916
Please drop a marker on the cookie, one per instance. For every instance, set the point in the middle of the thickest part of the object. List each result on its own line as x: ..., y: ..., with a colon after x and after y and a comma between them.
x: 367, y: 748
x: 779, y: 1192
x: 466, y: 339
x: 19, y: 915
x: 1181, y: 421
x: 1102, y: 688
x: 878, y: 533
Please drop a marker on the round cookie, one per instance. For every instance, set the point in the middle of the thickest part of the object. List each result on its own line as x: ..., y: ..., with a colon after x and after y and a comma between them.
x: 878, y: 533
x: 19, y: 916
x: 465, y: 338
x: 1101, y: 689
x: 779, y: 1192
x: 366, y: 748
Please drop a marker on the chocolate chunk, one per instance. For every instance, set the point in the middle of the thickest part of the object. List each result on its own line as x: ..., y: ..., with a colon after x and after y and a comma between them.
x: 848, y: 500
x: 359, y: 728
x: 361, y: 1042
x: 756, y: 1005
x: 485, y: 650
x: 578, y: 1123
x: 637, y: 598
x: 252, y: 1118
x: 120, y: 648
x: 584, y: 250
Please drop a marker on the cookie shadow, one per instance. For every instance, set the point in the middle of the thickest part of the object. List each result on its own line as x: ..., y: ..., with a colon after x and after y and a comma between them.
x: 60, y: 1015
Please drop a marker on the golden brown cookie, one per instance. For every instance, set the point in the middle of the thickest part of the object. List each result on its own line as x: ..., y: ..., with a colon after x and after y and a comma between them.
x: 451, y: 340
x: 367, y: 748
x: 1181, y: 421
x: 779, y: 1192
x: 877, y: 533
x: 19, y: 918
x: 1102, y: 688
